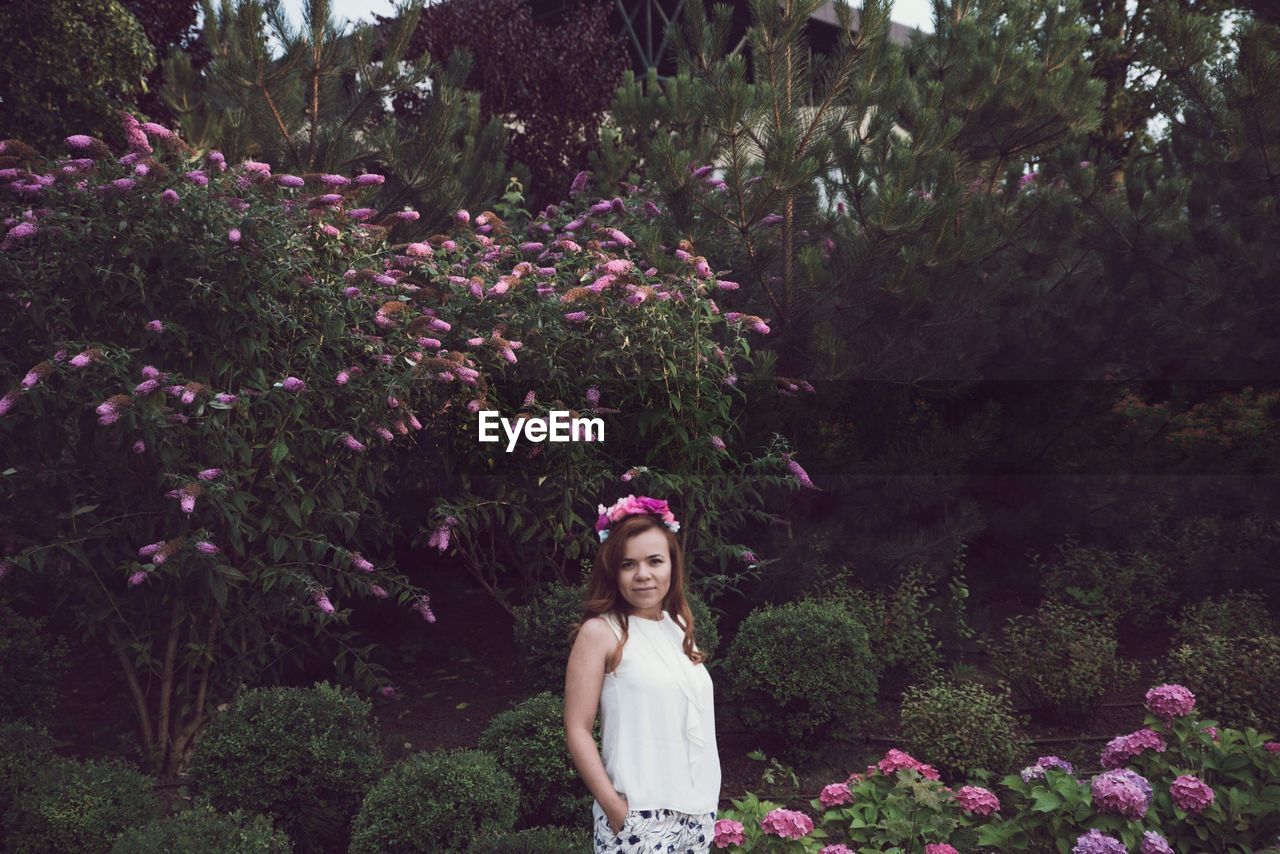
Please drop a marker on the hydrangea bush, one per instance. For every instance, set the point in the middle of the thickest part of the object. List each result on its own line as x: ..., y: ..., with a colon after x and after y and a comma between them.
x: 1178, y: 784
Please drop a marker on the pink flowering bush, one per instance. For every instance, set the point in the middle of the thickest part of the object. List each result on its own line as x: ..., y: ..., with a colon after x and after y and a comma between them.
x: 1172, y: 785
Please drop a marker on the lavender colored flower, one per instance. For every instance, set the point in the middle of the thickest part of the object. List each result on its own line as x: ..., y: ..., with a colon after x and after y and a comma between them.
x: 210, y: 474
x: 771, y: 219
x: 1122, y: 792
x: 1122, y: 748
x: 146, y: 387
x: 228, y: 399
x: 1044, y: 763
x: 797, y: 472
x: 579, y: 183
x: 1095, y: 842
x: 359, y: 562
x: 352, y: 443
x: 406, y: 215
x: 233, y: 235
x: 322, y: 601
x: 1191, y: 793
x: 289, y: 181
x: 139, y: 447
x: 717, y: 443
x: 137, y: 578
x: 1154, y: 843
x: 462, y: 217
x: 208, y: 548
x: 123, y: 183
x: 593, y: 396
x: 423, y: 606
x: 576, y: 317
x: 361, y: 214
x: 378, y: 591
x: 620, y: 238
x: 335, y: 180
x: 79, y: 140
x: 155, y: 326
x: 1170, y: 701
x: 369, y: 179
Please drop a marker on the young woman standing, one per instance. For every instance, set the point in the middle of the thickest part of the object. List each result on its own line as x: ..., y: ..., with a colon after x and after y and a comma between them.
x: 634, y: 660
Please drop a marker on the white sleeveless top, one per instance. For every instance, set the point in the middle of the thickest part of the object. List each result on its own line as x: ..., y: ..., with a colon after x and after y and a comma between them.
x: 658, y: 723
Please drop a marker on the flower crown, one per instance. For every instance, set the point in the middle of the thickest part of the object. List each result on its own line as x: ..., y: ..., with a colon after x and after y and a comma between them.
x: 632, y: 506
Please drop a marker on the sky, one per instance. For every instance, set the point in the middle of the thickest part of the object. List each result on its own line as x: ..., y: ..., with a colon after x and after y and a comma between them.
x: 913, y: 13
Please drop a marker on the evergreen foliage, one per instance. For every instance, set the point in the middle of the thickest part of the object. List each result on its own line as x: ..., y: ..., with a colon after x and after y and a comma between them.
x: 323, y: 105
x: 201, y: 830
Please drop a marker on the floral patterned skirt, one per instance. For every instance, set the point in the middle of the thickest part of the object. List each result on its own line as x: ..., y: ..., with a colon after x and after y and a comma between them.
x: 654, y: 832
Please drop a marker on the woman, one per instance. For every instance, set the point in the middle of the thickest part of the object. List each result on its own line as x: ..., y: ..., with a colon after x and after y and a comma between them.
x: 634, y: 659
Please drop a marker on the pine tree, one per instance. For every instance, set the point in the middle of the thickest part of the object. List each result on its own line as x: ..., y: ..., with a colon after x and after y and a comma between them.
x: 322, y: 106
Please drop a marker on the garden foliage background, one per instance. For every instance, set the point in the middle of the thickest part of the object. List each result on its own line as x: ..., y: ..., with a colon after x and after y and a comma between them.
x: 955, y: 358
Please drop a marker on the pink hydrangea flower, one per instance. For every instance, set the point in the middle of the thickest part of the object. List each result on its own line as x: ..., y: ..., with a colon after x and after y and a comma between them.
x: 835, y: 794
x: 1122, y: 748
x: 1170, y: 701
x: 787, y: 824
x: 1122, y: 792
x: 728, y: 832
x: 1154, y: 843
x: 1272, y: 747
x: 977, y: 800
x: 1191, y: 793
x: 940, y: 848
x: 838, y: 848
x: 139, y: 447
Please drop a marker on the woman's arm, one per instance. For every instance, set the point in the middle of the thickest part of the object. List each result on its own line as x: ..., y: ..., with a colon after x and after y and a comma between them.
x: 583, y: 679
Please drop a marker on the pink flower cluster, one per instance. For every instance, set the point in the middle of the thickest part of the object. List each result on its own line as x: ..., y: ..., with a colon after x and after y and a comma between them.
x: 838, y: 848
x: 940, y: 848
x: 788, y: 824
x: 632, y: 505
x: 1170, y: 701
x: 1154, y: 843
x: 835, y: 794
x: 1191, y: 793
x: 896, y: 760
x: 1122, y: 748
x: 1121, y: 791
x: 728, y: 832
x: 977, y: 800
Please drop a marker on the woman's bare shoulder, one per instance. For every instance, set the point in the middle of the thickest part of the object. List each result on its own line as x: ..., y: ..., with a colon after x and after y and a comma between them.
x: 596, y: 631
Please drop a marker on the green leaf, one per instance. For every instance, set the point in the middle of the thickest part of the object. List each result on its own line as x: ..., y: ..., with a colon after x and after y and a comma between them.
x: 279, y: 451
x: 278, y: 548
x: 1046, y: 802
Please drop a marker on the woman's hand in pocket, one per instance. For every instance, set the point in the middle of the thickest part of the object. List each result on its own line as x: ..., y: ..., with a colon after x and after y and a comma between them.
x: 617, y: 816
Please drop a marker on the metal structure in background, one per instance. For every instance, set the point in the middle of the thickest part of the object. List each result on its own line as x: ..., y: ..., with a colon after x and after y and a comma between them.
x: 643, y: 27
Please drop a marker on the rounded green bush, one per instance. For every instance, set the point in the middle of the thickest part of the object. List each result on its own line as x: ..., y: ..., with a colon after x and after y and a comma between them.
x: 1133, y: 587
x: 804, y: 671
x: 23, y: 745
x: 30, y: 665
x: 1060, y: 660
x: 303, y: 756
x: 1238, y: 614
x: 436, y: 802
x: 544, y: 628
x: 1236, y: 680
x: 528, y: 742
x: 79, y: 806
x: 960, y: 727
x: 537, y: 840
x: 202, y: 830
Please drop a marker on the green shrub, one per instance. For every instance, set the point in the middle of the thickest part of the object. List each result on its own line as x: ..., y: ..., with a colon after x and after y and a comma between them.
x: 436, y: 802
x: 803, y: 670
x: 202, y: 830
x: 1060, y: 660
x: 65, y: 65
x: 1236, y: 680
x: 1238, y: 614
x: 543, y: 628
x: 899, y: 628
x: 960, y: 727
x: 79, y: 806
x: 303, y: 756
x: 23, y: 746
x: 528, y: 742
x: 1134, y: 587
x: 538, y: 840
x: 30, y: 665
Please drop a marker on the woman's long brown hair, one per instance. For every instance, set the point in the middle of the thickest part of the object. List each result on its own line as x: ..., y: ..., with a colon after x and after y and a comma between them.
x: 603, y: 596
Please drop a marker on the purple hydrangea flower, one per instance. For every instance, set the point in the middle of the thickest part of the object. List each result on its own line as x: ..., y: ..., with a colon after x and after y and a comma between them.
x: 1122, y: 792
x: 1154, y: 843
x: 1095, y: 842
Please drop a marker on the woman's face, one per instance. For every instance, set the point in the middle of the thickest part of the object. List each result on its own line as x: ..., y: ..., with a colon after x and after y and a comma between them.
x: 645, y: 574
